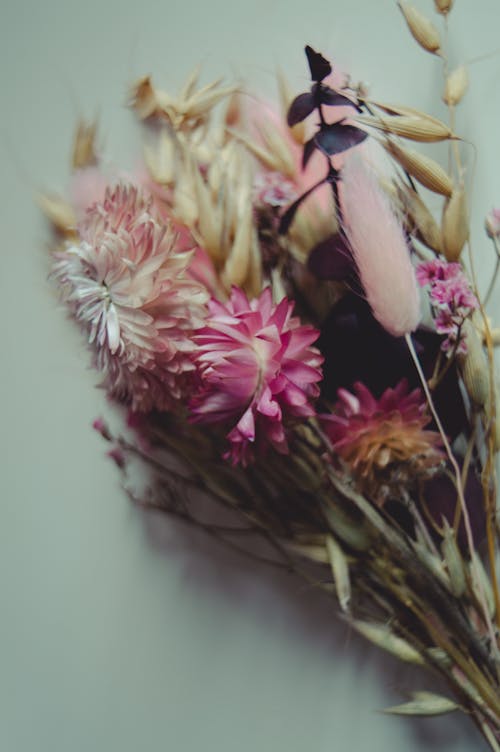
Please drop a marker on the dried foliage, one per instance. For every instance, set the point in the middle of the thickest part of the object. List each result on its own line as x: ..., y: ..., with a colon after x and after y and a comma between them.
x: 257, y: 288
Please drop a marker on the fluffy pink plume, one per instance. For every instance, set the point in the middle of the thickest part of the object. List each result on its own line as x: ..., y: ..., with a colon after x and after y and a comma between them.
x: 379, y: 249
x: 257, y: 368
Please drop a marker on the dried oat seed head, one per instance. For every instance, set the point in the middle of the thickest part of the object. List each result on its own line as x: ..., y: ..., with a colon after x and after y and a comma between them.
x: 84, y: 151
x: 455, y: 225
x: 456, y: 86
x: 424, y: 128
x: 443, y: 6
x: 424, y: 169
x: 422, y: 30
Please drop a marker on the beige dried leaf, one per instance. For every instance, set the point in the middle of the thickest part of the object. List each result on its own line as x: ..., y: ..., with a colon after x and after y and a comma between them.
x: 315, y: 553
x: 207, y: 226
x: 264, y: 156
x: 277, y: 146
x: 433, y: 563
x: 422, y: 128
x: 424, y: 169
x: 340, y: 571
x: 381, y: 636
x: 455, y: 224
x: 456, y: 86
x: 84, y: 151
x: 422, y: 30
x: 58, y: 212
x: 495, y: 336
x: 351, y: 532
x: 190, y: 84
x: 203, y: 101
x: 406, y: 110
x: 254, y: 281
x: 237, y: 264
x: 298, y: 131
x: 143, y: 98
x: 476, y: 569
x: 277, y: 285
x: 439, y: 656
x: 232, y: 115
x: 185, y: 206
x: 474, y: 366
x: 426, y: 228
x: 424, y: 704
x: 443, y: 6
x: 454, y: 562
x: 160, y: 158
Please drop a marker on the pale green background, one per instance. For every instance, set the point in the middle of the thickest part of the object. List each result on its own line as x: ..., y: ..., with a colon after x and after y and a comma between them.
x: 119, y: 632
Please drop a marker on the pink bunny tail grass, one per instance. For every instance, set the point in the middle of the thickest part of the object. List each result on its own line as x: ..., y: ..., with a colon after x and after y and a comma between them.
x: 379, y: 249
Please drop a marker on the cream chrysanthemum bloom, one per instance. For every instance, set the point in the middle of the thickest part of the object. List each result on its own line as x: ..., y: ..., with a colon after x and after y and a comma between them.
x: 128, y: 285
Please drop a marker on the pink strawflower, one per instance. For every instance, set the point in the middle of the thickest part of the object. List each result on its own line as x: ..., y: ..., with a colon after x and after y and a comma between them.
x: 451, y: 298
x: 383, y: 441
x: 257, y: 369
x: 379, y: 249
x: 127, y: 284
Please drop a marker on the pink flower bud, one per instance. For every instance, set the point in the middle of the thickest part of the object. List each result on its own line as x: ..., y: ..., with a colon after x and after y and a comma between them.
x: 492, y: 224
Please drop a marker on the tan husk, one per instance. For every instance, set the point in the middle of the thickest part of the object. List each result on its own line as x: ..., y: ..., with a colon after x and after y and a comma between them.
x: 423, y: 30
x: 456, y: 86
x: 298, y: 131
x: 424, y: 169
x: 412, y: 127
x: 84, y: 146
x: 454, y: 562
x: 443, y: 6
x: 474, y: 366
x: 455, y: 224
x: 421, y: 220
x: 424, y: 704
x: 59, y: 213
x: 340, y: 571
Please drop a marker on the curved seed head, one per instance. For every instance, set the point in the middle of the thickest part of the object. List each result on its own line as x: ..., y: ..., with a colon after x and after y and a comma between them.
x: 443, y: 6
x: 424, y: 169
x: 455, y: 225
x: 456, y: 86
x: 422, y: 30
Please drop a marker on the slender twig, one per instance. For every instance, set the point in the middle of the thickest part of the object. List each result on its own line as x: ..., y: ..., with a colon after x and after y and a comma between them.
x: 460, y: 489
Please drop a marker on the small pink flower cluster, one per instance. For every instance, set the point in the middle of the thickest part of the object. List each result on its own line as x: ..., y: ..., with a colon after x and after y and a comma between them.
x: 451, y: 298
x: 492, y: 224
x: 274, y: 189
x: 162, y: 340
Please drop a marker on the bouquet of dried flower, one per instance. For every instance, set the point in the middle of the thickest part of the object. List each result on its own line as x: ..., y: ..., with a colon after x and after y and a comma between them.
x: 297, y: 337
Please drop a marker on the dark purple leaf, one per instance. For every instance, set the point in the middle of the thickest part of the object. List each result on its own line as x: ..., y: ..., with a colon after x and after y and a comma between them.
x: 371, y: 355
x: 441, y: 496
x: 301, y: 107
x: 331, y: 259
x: 329, y: 96
x: 309, y: 149
x: 320, y: 67
x: 287, y: 218
x: 336, y: 138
